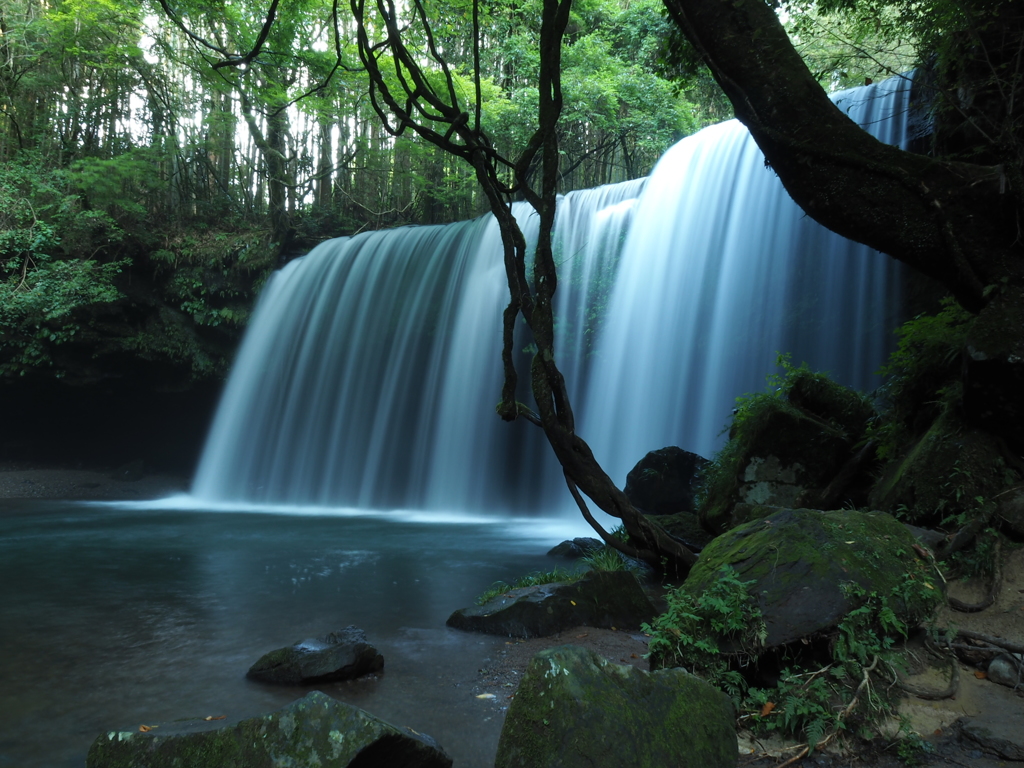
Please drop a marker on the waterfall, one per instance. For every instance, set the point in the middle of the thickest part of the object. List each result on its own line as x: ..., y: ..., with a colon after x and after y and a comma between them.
x: 370, y: 371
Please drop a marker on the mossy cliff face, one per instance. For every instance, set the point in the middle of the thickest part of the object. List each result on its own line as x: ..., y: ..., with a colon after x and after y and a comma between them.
x: 800, y: 560
x: 575, y: 709
x: 994, y: 368
x: 951, y: 471
x: 313, y: 731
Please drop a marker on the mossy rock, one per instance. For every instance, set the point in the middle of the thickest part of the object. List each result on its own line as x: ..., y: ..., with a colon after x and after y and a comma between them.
x: 776, y: 453
x: 575, y: 709
x: 607, y: 599
x: 315, y: 730
x: 800, y: 560
x: 833, y: 403
x: 951, y: 470
x: 685, y: 527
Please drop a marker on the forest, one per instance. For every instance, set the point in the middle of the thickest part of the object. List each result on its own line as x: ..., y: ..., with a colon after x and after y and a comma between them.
x: 148, y: 191
x: 161, y: 163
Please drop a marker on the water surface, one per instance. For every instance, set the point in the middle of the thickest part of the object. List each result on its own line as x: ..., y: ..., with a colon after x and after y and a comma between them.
x: 115, y: 616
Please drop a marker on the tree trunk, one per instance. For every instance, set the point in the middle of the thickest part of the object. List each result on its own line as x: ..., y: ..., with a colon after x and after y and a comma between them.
x: 956, y: 222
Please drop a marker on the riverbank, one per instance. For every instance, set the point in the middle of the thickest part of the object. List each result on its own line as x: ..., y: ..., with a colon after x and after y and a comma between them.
x: 127, y: 483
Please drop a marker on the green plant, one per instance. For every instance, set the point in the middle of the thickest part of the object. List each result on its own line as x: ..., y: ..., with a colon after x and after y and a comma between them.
x: 609, y: 559
x: 710, y: 633
x: 720, y: 635
x: 922, y: 374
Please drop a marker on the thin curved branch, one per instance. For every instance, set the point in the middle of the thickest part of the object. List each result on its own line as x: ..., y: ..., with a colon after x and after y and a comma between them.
x: 268, y: 23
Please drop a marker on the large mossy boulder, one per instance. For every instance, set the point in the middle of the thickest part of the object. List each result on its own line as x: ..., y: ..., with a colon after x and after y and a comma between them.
x: 341, y: 655
x: 575, y: 709
x: 607, y: 599
x: 810, y: 569
x: 315, y: 730
x: 783, y: 446
x: 664, y: 482
x: 949, y: 471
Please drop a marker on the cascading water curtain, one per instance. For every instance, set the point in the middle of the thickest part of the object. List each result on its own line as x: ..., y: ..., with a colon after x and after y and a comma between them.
x: 369, y: 374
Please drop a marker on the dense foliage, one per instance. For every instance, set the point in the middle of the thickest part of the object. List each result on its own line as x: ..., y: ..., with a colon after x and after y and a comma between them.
x: 128, y: 156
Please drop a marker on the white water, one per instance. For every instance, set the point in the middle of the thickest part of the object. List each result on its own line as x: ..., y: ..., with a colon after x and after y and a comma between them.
x: 370, y: 371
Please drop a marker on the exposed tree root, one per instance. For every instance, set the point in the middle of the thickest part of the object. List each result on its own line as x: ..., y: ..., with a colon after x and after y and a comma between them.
x: 993, y: 593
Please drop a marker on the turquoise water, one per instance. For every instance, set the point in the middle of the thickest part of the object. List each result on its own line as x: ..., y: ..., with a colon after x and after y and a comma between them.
x: 112, y: 616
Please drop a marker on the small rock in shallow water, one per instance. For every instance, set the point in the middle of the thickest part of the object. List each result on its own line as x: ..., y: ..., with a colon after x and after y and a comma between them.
x: 342, y: 655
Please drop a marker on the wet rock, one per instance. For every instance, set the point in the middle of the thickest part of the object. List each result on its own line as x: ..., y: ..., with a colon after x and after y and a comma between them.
x: 931, y: 539
x: 315, y: 730
x: 576, y: 548
x: 664, y: 481
x: 1007, y: 670
x: 607, y: 599
x: 342, y: 655
x: 996, y: 737
x: 799, y: 560
x: 575, y: 709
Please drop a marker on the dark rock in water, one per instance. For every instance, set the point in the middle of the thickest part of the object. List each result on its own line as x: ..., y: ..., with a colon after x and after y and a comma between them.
x: 575, y: 709
x: 662, y: 482
x: 600, y: 599
x: 575, y: 549
x: 801, y: 559
x: 686, y: 528
x: 993, y: 369
x: 130, y: 472
x: 343, y: 655
x: 315, y: 730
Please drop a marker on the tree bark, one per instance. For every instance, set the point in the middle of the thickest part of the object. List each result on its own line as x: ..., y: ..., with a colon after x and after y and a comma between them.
x: 954, y: 221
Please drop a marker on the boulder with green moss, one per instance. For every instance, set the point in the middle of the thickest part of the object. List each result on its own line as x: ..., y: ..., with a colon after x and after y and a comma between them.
x: 575, y: 709
x: 783, y: 445
x: 315, y: 730
x: 808, y: 568
x: 608, y: 599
